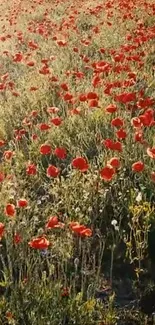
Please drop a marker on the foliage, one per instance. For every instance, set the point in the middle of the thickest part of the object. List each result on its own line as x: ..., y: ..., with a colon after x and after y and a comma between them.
x: 77, y: 152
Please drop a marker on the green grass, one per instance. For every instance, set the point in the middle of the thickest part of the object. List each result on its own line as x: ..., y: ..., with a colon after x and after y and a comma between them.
x: 77, y: 279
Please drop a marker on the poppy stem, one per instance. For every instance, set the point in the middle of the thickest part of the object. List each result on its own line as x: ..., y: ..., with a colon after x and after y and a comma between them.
x: 111, y: 265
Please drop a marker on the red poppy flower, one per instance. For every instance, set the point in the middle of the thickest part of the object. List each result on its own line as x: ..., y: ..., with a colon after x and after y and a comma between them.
x: 61, y: 43
x: 31, y: 169
x: 118, y: 122
x: 22, y: 203
x: 151, y: 152
x: 93, y: 103
x: 119, y: 57
x: 138, y: 137
x: 75, y: 49
x: 18, y: 57
x: 34, y: 137
x: 68, y: 97
x: 44, y: 70
x: 86, y: 232
x: 83, y: 97
x: 52, y: 110
x: 52, y: 171
x: 5, y: 76
x: 147, y: 119
x: 10, y: 210
x: 30, y: 63
x: 117, y: 146
x: 77, y: 228
x: 2, y: 143
x: 111, y: 108
x: 136, y: 122
x: 80, y: 163
x: 34, y: 113
x: 114, y: 162
x: 125, y: 98
x: 54, y: 79
x: 2, y: 86
x: 8, y: 154
x: 2, y: 228
x: 33, y: 88
x: 121, y: 134
x: 39, y: 243
x: 56, y: 121
x: 60, y: 153
x: 107, y: 173
x: 32, y: 45
x: 45, y: 61
x: 108, y: 143
x: 138, y: 166
x: 80, y: 229
x: 11, y: 85
x: 45, y: 149
x: 92, y: 95
x: 52, y: 222
x: 145, y: 102
x: 64, y: 86
x: 96, y: 81
x: 44, y: 127
x: 75, y: 111
x: 102, y: 50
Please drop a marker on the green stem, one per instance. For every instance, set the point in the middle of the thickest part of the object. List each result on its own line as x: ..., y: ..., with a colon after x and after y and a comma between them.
x: 111, y: 265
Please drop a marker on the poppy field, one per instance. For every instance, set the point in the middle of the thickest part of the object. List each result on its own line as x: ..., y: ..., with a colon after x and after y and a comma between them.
x: 77, y: 162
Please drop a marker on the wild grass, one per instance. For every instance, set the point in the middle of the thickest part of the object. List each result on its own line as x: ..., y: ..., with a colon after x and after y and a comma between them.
x: 78, y: 278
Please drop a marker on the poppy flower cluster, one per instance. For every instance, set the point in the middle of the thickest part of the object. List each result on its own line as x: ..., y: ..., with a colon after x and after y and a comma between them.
x: 10, y: 208
x: 71, y: 80
x: 42, y: 243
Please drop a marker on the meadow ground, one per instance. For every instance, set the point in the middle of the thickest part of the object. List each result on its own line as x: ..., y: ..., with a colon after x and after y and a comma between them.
x: 77, y: 171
